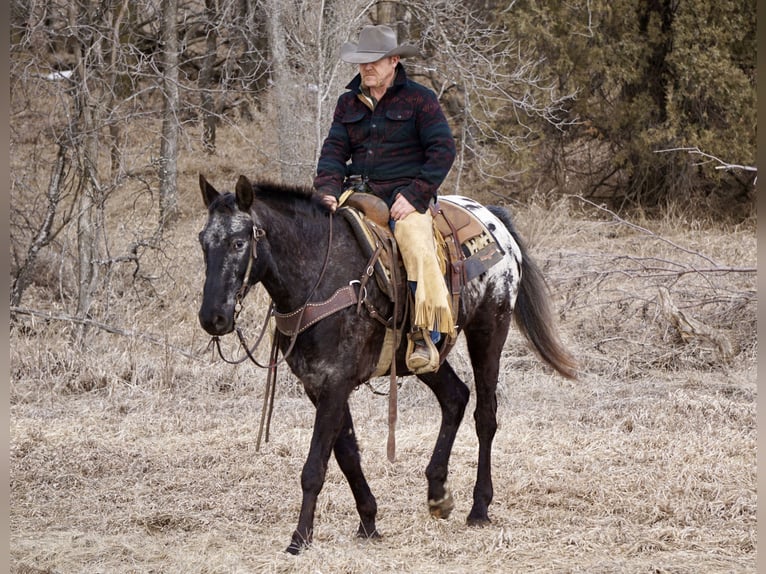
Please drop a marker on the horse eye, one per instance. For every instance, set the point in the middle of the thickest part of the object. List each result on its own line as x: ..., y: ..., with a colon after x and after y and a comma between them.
x: 240, y: 244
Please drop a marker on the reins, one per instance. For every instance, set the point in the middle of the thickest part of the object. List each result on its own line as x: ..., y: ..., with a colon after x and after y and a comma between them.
x: 274, y: 361
x: 297, y: 318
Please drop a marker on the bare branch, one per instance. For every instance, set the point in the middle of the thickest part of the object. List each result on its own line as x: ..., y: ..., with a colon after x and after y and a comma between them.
x: 646, y: 231
x: 103, y: 326
x: 722, y: 164
x: 44, y: 235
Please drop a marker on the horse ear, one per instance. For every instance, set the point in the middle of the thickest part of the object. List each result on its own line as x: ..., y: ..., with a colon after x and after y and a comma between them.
x: 244, y: 194
x: 209, y: 193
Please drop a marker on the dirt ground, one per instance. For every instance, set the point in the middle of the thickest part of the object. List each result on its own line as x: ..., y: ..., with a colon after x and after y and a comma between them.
x: 131, y: 456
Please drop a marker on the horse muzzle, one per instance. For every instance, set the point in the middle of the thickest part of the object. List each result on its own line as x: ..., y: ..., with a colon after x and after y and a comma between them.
x: 215, y: 321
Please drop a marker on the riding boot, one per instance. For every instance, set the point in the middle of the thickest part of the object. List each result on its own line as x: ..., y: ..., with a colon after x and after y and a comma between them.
x: 422, y: 355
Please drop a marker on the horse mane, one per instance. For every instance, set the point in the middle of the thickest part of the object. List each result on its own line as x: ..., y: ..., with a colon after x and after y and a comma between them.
x: 288, y: 195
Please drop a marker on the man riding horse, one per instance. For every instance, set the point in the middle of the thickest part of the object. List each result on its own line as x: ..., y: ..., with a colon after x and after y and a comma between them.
x: 389, y: 137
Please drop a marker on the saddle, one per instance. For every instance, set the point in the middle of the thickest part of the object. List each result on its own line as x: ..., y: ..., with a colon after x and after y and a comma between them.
x: 468, y: 246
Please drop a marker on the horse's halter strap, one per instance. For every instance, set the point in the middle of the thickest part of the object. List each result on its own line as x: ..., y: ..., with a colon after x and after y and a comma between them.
x: 257, y: 235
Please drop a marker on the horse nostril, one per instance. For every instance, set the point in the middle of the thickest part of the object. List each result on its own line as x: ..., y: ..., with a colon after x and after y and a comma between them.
x: 220, y: 321
x: 215, y: 323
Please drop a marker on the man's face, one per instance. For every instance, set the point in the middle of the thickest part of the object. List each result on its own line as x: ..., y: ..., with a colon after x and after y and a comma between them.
x: 378, y: 74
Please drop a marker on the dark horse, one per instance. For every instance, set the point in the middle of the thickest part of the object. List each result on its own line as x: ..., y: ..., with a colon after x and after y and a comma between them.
x: 280, y: 236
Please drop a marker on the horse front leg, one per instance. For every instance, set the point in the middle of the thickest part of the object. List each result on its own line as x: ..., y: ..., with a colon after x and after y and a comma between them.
x: 327, y: 424
x: 452, y: 394
x: 350, y: 462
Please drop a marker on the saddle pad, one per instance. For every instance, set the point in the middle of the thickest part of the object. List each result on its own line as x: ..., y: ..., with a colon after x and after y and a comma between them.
x: 478, y: 247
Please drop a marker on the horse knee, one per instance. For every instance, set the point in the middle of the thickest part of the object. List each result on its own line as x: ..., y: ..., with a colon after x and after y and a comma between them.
x: 485, y: 415
x: 485, y: 422
x: 346, y: 447
x: 312, y: 478
x: 454, y: 407
x: 462, y: 395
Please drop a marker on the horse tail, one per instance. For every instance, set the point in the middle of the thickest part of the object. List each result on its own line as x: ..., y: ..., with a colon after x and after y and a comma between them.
x: 533, y: 313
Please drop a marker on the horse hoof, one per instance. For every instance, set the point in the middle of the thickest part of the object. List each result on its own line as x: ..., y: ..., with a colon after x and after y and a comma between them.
x: 478, y: 522
x: 364, y: 533
x: 294, y: 549
x: 442, y: 508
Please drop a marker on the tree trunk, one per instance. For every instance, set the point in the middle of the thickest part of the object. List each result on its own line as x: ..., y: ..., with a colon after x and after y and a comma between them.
x: 386, y: 13
x: 207, y: 101
x: 43, y: 236
x: 85, y: 136
x: 285, y: 86
x: 168, y: 166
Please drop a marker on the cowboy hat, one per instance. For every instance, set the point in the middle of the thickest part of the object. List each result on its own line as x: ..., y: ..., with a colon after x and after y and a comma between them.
x: 375, y: 42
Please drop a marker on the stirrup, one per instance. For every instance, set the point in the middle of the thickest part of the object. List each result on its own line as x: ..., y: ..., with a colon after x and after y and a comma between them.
x: 417, y: 362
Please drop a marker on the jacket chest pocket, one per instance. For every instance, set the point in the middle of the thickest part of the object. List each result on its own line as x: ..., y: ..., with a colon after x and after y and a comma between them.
x: 400, y: 126
x: 357, y: 126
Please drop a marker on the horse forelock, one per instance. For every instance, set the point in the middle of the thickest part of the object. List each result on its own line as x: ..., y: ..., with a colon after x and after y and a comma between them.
x: 225, y: 203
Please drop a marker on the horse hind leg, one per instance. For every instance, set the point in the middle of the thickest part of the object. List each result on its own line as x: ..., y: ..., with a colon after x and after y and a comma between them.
x: 349, y: 460
x: 452, y: 395
x: 485, y: 340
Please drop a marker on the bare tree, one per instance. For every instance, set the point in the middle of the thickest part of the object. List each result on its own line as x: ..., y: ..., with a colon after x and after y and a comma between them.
x: 86, y: 44
x: 168, y: 162
x: 284, y: 84
x: 45, y: 233
x: 206, y: 77
x: 488, y: 85
x: 77, y: 84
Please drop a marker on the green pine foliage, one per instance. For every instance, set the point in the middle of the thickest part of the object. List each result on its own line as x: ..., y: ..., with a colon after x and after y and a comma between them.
x: 650, y: 76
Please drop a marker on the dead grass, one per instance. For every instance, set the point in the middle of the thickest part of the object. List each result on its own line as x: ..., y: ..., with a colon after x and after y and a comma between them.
x: 129, y: 457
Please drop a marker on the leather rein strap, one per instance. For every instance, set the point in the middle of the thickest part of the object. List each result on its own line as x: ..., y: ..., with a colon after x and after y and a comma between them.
x: 268, y: 399
x: 293, y: 323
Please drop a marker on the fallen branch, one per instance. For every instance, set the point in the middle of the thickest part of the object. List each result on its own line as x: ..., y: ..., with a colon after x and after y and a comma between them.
x: 103, y: 327
x: 689, y: 328
x: 722, y: 164
x: 646, y: 231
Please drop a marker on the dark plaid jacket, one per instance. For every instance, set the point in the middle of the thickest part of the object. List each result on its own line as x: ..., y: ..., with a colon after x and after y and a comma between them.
x: 402, y: 146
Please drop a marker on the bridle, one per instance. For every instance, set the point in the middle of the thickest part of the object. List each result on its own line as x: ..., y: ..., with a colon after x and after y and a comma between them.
x: 268, y: 399
x: 258, y: 234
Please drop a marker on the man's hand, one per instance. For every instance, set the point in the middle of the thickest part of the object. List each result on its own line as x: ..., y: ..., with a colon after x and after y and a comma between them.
x: 330, y: 201
x: 401, y: 208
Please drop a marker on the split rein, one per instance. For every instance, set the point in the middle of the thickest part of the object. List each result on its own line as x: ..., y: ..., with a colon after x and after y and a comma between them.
x: 274, y: 361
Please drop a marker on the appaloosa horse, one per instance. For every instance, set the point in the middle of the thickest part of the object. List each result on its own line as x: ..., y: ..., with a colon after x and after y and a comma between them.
x: 284, y: 238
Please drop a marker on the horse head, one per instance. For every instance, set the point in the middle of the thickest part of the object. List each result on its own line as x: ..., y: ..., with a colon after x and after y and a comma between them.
x: 228, y: 243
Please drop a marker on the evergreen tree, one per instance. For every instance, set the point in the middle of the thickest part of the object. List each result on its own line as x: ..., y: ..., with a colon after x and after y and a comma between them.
x: 650, y: 75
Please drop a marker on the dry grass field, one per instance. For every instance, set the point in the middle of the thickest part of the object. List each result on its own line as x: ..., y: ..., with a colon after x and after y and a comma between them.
x: 130, y: 456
